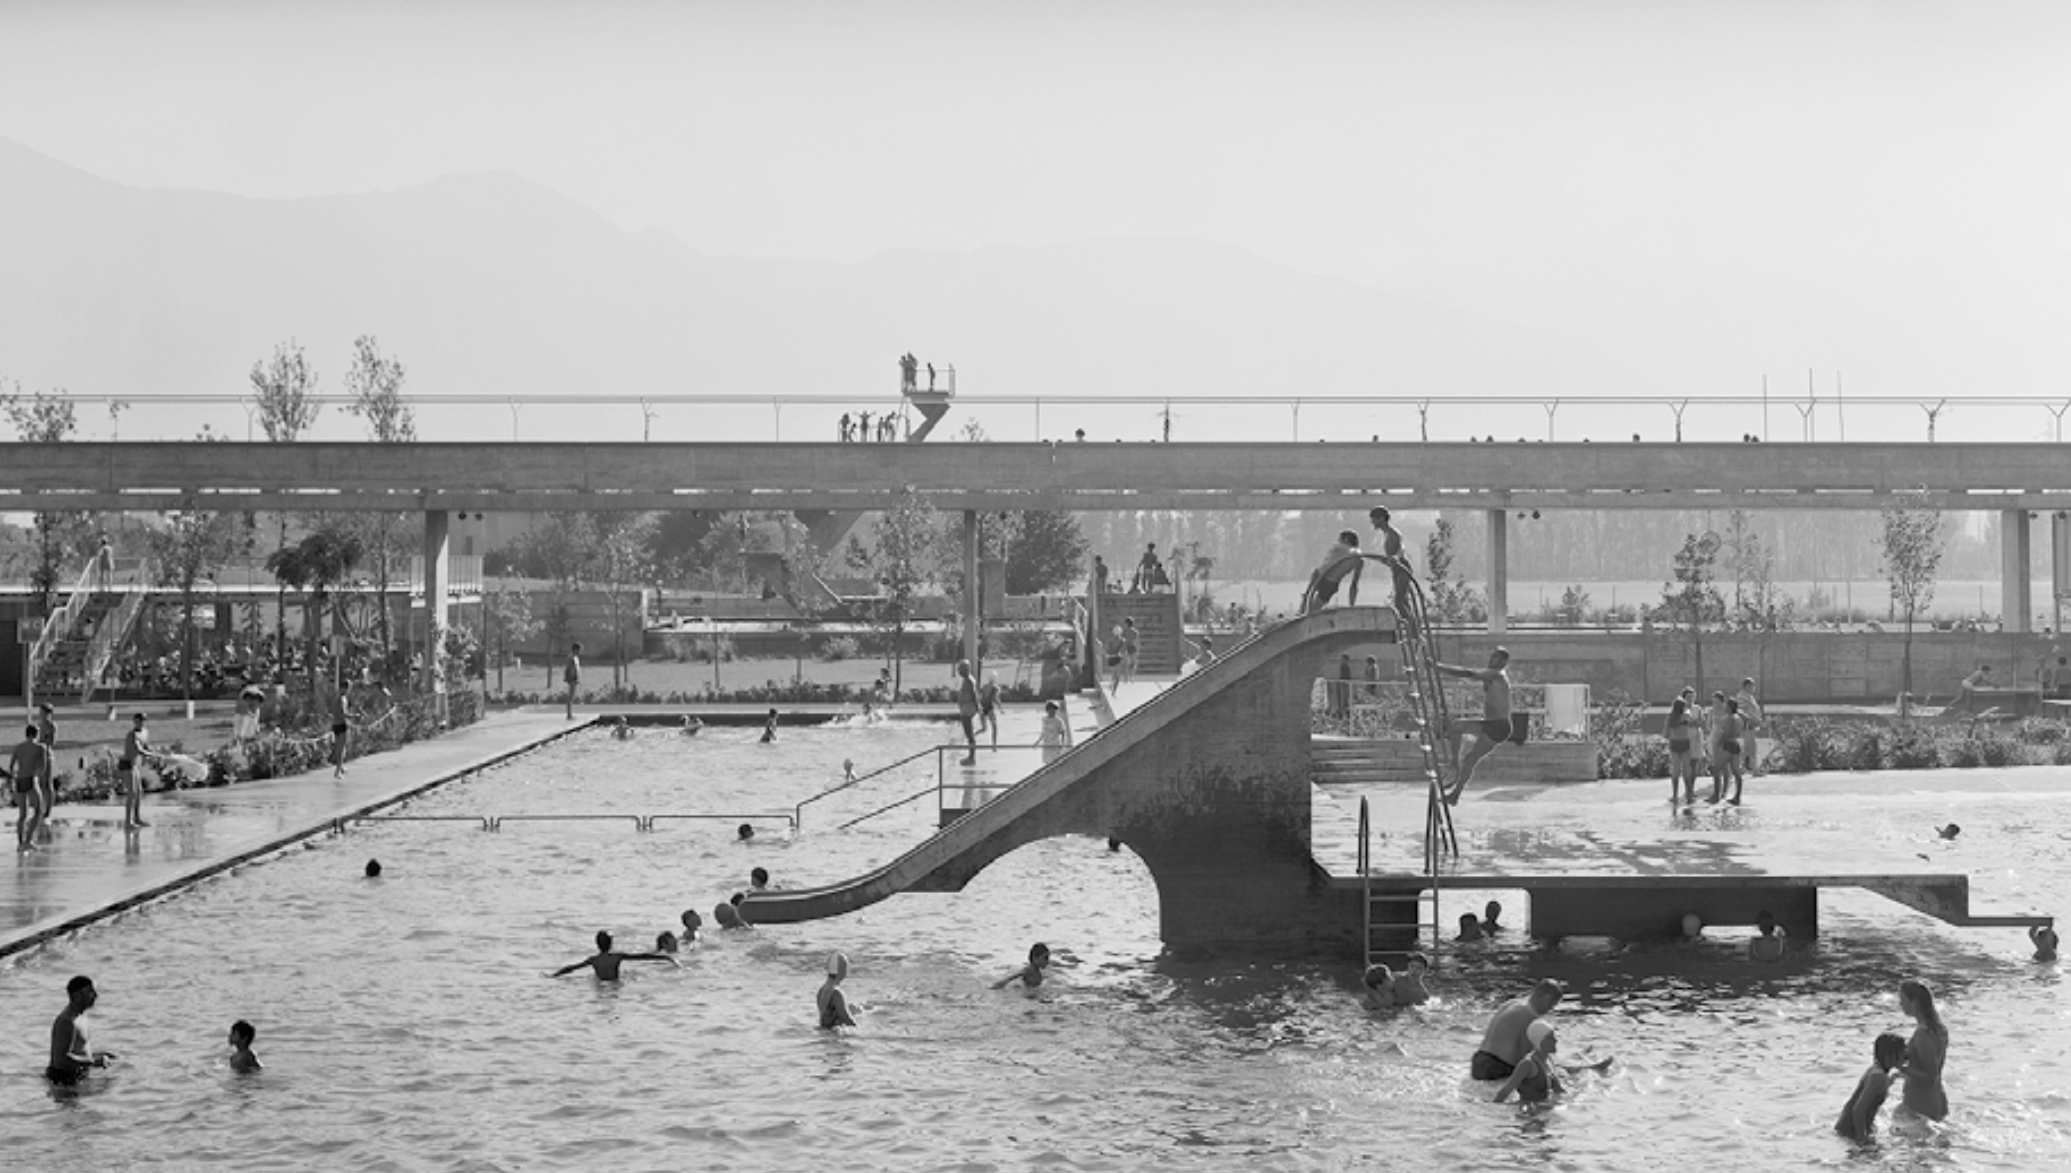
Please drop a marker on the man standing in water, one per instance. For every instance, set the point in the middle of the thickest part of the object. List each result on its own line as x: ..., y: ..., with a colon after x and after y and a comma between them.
x: 70, y: 1056
x: 1491, y: 729
x: 1505, y: 1043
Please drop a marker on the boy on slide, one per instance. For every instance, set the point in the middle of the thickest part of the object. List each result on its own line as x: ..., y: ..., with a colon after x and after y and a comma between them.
x: 1341, y: 563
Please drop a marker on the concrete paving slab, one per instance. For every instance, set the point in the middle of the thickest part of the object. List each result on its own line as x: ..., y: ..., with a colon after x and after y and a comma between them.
x: 92, y: 868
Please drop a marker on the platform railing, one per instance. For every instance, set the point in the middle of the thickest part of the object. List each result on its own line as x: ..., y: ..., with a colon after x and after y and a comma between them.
x: 798, y: 811
x: 640, y: 822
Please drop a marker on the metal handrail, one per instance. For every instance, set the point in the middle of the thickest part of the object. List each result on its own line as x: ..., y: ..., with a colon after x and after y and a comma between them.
x: 60, y: 623
x: 798, y: 811
x: 114, y: 630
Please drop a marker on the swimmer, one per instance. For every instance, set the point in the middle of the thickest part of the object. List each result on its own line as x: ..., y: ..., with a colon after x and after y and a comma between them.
x: 1039, y: 958
x: 691, y: 726
x: 744, y: 832
x: 692, y: 922
x: 1379, y: 981
x: 620, y: 730
x: 2045, y: 940
x: 848, y: 771
x: 1409, y: 984
x: 373, y: 869
x: 241, y: 1058
x: 1693, y: 926
x: 665, y: 942
x: 769, y: 727
x: 1490, y: 916
x: 1949, y: 832
x: 1470, y: 928
x: 758, y: 879
x: 1859, y: 1116
x: 1767, y: 943
x: 606, y: 960
x: 1504, y: 1044
x: 833, y: 1004
x: 70, y: 1056
x: 1535, y: 1078
x: 728, y: 914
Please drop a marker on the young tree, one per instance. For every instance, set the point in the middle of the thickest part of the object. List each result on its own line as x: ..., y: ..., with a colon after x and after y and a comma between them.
x: 1692, y: 601
x: 1045, y: 551
x: 284, y: 388
x: 902, y: 560
x: 375, y: 383
x: 508, y: 616
x: 59, y: 534
x: 1451, y: 601
x: 622, y: 555
x: 1912, y: 541
x: 190, y: 550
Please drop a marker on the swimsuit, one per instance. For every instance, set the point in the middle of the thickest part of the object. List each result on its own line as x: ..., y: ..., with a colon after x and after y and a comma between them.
x: 61, y: 1076
x: 1491, y: 1066
x: 1496, y: 728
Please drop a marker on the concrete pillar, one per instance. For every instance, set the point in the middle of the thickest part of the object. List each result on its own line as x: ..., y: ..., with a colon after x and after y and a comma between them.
x: 1499, y: 571
x: 973, y: 613
x: 437, y: 577
x: 2060, y: 564
x: 2015, y: 605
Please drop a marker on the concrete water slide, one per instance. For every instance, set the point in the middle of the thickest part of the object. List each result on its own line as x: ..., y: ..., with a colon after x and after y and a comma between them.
x: 1208, y: 784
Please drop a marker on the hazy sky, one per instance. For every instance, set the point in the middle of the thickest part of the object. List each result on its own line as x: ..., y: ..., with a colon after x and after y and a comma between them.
x: 1708, y: 191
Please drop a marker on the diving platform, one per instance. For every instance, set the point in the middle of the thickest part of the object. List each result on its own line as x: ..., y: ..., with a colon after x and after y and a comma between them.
x: 1615, y: 859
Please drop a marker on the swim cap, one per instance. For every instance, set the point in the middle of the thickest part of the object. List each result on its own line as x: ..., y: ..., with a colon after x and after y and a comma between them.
x: 837, y: 965
x: 1538, y: 1032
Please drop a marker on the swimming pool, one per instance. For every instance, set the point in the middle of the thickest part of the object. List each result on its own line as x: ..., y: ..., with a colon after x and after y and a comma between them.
x: 407, y: 1023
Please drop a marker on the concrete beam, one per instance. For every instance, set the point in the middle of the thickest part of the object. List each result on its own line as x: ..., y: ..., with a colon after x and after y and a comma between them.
x: 1499, y: 571
x: 996, y: 476
x: 438, y: 577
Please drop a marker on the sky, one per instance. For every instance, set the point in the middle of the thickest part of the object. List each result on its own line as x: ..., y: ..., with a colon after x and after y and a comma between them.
x: 1710, y: 192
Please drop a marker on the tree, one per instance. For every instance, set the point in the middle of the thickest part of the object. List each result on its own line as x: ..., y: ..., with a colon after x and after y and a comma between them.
x: 190, y: 550
x: 902, y: 561
x: 508, y: 615
x: 285, y: 390
x: 1912, y: 541
x: 622, y: 554
x: 1692, y: 601
x: 1046, y: 551
x: 320, y: 561
x: 1451, y: 602
x: 50, y: 419
x: 375, y: 383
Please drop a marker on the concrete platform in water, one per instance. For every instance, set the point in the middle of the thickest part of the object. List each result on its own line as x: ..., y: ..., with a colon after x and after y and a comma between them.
x: 1616, y: 859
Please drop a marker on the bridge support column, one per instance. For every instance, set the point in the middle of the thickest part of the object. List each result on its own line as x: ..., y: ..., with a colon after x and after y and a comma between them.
x: 1499, y: 571
x: 437, y: 578
x: 973, y: 612
x: 2015, y: 603
x: 2060, y: 565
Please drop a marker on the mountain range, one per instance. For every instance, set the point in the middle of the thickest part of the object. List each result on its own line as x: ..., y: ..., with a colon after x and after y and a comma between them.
x: 488, y: 284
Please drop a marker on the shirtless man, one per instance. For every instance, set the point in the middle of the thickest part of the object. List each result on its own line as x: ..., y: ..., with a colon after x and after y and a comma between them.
x: 340, y: 706
x: 1391, y: 549
x: 1491, y: 729
x: 1505, y: 1042
x: 136, y: 746
x: 1323, y: 581
x: 26, y: 768
x: 607, y: 960
x: 70, y: 1056
x: 46, y: 782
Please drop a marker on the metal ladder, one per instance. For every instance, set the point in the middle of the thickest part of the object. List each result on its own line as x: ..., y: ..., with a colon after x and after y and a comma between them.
x: 1419, y: 657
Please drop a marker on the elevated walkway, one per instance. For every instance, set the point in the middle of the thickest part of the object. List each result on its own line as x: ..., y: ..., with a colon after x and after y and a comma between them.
x: 1207, y: 781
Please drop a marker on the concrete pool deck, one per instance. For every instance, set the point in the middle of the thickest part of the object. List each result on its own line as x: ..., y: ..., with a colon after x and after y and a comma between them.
x: 91, y: 869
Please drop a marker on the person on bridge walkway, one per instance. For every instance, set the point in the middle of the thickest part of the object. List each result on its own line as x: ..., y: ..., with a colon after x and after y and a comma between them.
x: 1491, y: 729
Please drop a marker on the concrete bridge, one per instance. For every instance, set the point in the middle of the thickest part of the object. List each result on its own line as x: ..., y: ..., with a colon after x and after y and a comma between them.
x: 835, y: 480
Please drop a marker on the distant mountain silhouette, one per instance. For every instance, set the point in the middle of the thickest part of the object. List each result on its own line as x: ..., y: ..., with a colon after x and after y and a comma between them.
x: 490, y: 284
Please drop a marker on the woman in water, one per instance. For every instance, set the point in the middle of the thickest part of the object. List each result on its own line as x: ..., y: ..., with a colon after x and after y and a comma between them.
x: 1925, y: 1052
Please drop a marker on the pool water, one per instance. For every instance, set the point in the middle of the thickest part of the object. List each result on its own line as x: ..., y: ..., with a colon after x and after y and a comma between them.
x: 408, y: 1023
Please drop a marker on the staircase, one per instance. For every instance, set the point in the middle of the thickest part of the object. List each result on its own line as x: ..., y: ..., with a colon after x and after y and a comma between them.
x: 1159, y: 648
x: 1334, y: 762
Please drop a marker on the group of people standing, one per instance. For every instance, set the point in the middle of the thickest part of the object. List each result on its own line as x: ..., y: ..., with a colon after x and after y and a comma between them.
x: 858, y: 428
x: 1721, y: 738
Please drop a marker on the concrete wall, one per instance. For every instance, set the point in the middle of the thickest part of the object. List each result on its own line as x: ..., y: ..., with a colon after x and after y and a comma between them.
x: 1790, y: 667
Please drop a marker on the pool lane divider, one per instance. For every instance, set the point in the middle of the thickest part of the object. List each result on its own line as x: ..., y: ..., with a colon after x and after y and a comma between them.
x: 45, y: 931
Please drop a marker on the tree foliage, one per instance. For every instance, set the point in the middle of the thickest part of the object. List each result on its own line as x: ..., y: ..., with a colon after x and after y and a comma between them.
x: 285, y: 389
x: 60, y: 535
x: 902, y: 560
x: 1912, y: 540
x: 507, y: 615
x: 322, y: 560
x: 1691, y: 601
x: 193, y: 546
x: 375, y: 383
x: 1451, y: 600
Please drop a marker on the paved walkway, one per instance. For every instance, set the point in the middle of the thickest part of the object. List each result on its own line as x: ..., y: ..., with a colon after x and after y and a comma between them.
x: 91, y: 869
